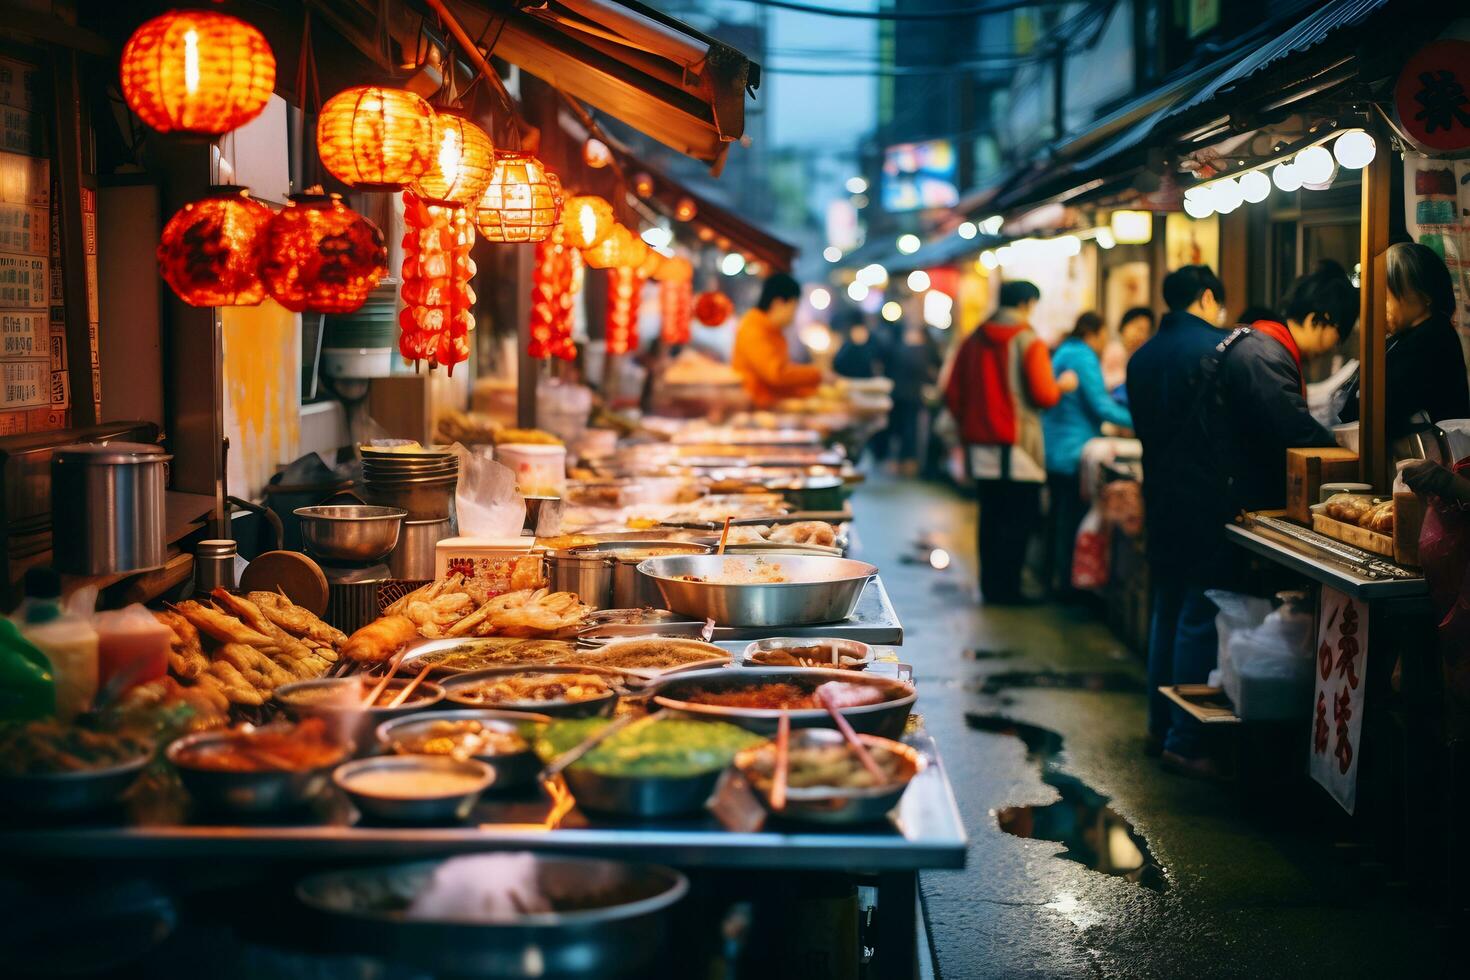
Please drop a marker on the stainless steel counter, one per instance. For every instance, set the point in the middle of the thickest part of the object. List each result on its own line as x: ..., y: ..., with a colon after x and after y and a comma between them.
x: 1321, y: 568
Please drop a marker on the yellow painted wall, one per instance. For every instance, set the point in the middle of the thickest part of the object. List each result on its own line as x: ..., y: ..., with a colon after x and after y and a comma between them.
x: 262, y: 380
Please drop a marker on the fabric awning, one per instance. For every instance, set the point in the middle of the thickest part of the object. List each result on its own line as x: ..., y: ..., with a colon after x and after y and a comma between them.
x: 637, y: 64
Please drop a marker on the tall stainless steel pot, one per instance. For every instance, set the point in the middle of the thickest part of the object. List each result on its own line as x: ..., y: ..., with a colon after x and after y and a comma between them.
x: 107, y: 507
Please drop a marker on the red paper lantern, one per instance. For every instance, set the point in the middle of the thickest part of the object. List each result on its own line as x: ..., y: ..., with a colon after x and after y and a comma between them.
x: 375, y: 138
x: 675, y: 270
x: 588, y: 219
x: 520, y: 202
x: 461, y: 158
x: 643, y: 185
x: 596, y: 154
x: 197, y: 71
x: 322, y: 256
x: 713, y: 308
x: 619, y: 249
x: 436, y: 320
x: 676, y: 304
x: 210, y: 251
x: 624, y: 290
x: 686, y: 209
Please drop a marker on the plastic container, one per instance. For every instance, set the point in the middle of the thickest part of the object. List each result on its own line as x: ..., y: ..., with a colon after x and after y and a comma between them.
x: 132, y: 648
x: 541, y: 471
x: 64, y: 636
x: 485, y: 562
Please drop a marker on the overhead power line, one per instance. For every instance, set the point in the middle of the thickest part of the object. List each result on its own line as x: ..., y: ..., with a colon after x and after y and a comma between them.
x: 997, y: 7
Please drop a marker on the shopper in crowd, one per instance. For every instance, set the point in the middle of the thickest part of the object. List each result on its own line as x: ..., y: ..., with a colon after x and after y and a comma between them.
x: 1134, y: 329
x: 762, y: 357
x: 860, y: 356
x: 1075, y: 419
x: 912, y: 363
x: 1000, y: 381
x: 1165, y: 377
x: 1424, y: 366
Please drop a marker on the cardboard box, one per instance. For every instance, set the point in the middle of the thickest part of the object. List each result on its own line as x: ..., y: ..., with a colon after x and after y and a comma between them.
x: 1307, y: 470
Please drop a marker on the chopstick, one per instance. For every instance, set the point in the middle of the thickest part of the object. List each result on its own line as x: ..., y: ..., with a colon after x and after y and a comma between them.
x: 858, y: 748
x: 724, y: 536
x: 382, y: 685
x: 783, y: 762
x: 411, y: 686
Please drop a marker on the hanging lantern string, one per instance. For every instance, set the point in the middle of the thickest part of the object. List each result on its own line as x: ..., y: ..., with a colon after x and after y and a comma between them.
x: 473, y: 52
x: 306, y: 73
x: 489, y: 52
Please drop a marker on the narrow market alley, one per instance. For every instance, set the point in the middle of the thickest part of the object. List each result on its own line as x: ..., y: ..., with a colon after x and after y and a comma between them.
x: 1236, y: 883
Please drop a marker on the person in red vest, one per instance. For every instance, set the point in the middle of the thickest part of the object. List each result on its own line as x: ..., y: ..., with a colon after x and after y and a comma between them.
x: 1000, y: 382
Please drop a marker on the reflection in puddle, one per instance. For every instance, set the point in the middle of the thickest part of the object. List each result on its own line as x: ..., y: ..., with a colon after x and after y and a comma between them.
x: 1091, y: 832
x: 1082, y: 680
x: 981, y: 654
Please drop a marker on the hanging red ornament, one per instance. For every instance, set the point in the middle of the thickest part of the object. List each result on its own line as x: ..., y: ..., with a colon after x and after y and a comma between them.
x: 676, y: 269
x: 322, y: 256
x: 436, y: 321
x: 624, y: 289
x: 676, y: 304
x: 686, y: 209
x: 210, y: 251
x: 713, y: 308
x: 197, y: 71
x: 551, y: 298
x: 643, y: 185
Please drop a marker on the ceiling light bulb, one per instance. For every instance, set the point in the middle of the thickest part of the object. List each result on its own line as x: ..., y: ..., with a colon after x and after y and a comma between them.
x: 819, y: 298
x: 1198, y: 207
x: 1286, y: 177
x: 967, y: 230
x: 1315, y: 165
x: 732, y: 264
x: 988, y: 259
x: 832, y: 253
x: 1255, y: 186
x: 1225, y: 195
x: 1355, y: 149
x: 918, y: 280
x: 892, y: 311
x: 908, y: 244
x: 856, y: 185
x: 856, y: 291
x: 1105, y: 239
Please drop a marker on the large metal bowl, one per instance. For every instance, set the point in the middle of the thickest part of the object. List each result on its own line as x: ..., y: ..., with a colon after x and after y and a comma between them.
x: 350, y: 532
x: 886, y: 718
x: 364, y: 910
x: 512, y: 769
x: 829, y: 805
x: 641, y: 797
x: 454, y: 688
x: 818, y: 589
x: 70, y: 792
x: 414, y: 809
x: 254, y: 792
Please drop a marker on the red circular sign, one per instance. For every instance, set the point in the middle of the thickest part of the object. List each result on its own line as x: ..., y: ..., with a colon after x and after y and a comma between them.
x: 1433, y: 96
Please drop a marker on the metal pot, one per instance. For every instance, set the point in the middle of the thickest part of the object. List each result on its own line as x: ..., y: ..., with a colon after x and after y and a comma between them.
x: 107, y: 507
x: 413, y: 558
x: 427, y: 500
x: 631, y: 589
x: 589, y: 576
x: 816, y: 588
x: 350, y: 532
x: 814, y: 492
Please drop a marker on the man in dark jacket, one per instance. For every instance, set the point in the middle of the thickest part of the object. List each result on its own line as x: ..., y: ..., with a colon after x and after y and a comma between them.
x: 1165, y: 378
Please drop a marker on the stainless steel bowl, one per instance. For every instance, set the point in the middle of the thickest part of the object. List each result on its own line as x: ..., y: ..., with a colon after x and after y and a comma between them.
x: 640, y: 796
x: 414, y: 809
x: 512, y: 769
x: 364, y: 911
x: 350, y: 532
x: 855, y: 655
x: 829, y: 805
x: 710, y: 655
x: 886, y: 718
x: 70, y: 792
x: 818, y: 589
x: 261, y: 791
x: 346, y: 717
x: 592, y: 707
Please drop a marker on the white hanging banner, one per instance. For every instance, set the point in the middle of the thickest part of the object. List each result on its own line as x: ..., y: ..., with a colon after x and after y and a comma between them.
x: 1337, y: 713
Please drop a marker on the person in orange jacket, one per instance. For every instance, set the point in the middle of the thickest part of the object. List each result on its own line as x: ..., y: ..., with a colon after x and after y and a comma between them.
x: 761, y: 356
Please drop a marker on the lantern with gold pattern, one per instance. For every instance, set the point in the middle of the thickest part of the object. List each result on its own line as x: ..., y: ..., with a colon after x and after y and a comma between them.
x: 519, y: 204
x: 210, y: 251
x: 460, y: 160
x: 588, y: 220
x: 375, y: 138
x: 198, y: 72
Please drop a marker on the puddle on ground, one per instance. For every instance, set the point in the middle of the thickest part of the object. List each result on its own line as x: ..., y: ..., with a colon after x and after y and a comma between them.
x: 983, y: 654
x: 1080, y: 680
x: 1091, y: 832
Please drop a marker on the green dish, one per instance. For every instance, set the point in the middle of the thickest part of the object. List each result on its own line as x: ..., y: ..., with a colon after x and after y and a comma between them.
x: 664, y: 748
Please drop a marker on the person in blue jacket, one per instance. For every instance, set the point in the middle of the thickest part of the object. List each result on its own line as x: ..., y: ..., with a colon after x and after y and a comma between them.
x: 1067, y: 427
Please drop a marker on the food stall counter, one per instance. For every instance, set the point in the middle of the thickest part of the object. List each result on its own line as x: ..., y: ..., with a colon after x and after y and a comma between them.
x: 1319, y: 566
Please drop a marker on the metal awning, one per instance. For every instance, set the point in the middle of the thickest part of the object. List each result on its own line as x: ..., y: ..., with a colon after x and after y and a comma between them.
x: 635, y: 63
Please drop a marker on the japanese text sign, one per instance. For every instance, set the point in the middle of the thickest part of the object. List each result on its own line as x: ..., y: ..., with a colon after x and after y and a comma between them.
x: 1337, y: 712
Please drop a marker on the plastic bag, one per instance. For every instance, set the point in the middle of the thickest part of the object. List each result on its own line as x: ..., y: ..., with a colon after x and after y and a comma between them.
x: 1090, y: 553
x: 27, y: 689
x: 486, y: 498
x: 1268, y: 672
x: 1236, y: 612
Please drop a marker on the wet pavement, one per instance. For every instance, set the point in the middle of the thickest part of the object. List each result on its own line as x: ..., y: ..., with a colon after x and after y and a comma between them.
x: 1086, y: 860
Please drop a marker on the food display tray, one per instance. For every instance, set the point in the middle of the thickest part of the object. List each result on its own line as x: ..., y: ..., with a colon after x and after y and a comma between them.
x: 874, y: 622
x: 924, y: 831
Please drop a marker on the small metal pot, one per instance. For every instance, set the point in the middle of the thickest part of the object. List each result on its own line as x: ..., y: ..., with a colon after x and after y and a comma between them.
x: 426, y: 500
x: 589, y: 576
x: 413, y: 558
x: 814, y: 492
x: 350, y: 532
x: 107, y: 507
x: 631, y: 589
x: 415, y: 809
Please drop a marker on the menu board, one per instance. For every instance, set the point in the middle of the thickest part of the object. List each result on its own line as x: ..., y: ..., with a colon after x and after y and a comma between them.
x: 35, y: 389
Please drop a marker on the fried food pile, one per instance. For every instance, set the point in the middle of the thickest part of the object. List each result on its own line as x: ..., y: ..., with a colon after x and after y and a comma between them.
x: 238, y: 649
x: 448, y: 607
x: 49, y: 746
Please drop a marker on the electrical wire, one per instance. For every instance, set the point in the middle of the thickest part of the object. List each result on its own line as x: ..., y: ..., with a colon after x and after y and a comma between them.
x: 999, y: 7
